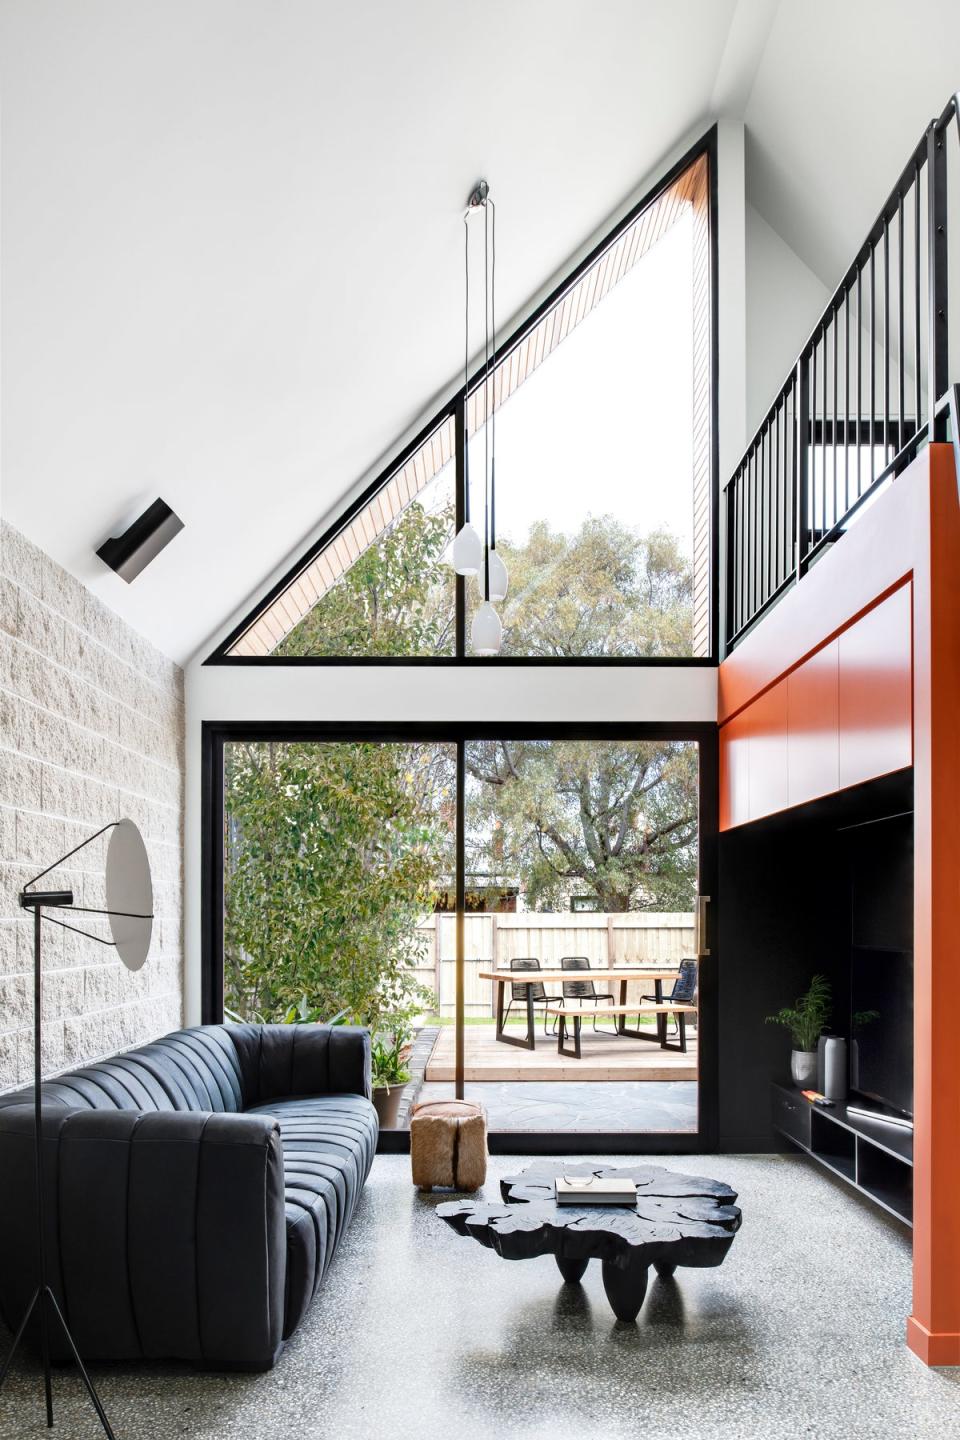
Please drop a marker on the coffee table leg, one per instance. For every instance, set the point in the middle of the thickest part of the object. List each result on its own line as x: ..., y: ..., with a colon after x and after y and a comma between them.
x: 625, y: 1286
x: 572, y: 1271
x: 664, y: 1269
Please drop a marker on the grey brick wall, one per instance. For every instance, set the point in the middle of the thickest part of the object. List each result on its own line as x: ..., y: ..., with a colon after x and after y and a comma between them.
x: 91, y: 729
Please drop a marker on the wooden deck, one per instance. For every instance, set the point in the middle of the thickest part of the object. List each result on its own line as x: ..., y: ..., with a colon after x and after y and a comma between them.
x: 604, y: 1057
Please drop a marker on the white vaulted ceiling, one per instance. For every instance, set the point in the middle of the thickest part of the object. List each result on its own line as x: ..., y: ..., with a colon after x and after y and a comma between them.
x: 842, y: 95
x: 230, y: 230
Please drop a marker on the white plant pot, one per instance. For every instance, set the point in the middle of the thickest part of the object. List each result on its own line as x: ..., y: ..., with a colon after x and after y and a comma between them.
x: 803, y: 1068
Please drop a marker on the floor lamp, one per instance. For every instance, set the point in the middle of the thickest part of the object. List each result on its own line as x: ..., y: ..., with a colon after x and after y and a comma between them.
x: 129, y: 907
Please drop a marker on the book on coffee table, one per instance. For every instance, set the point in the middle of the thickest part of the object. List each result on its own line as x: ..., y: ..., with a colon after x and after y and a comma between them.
x: 595, y: 1190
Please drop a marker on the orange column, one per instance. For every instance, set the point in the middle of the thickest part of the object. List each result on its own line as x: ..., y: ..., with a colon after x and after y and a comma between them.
x: 933, y: 1330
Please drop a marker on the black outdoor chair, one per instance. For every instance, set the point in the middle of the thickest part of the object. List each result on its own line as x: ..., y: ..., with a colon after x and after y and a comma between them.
x: 537, y: 993
x: 684, y: 990
x: 583, y: 991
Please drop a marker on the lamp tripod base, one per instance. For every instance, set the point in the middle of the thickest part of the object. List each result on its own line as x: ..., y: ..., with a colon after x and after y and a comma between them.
x: 45, y: 1298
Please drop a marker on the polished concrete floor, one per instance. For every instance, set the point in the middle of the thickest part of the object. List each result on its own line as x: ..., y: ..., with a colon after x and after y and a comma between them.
x: 418, y: 1332
x: 567, y: 1105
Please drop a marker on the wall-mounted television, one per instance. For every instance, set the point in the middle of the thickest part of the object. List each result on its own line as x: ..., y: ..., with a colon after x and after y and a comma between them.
x: 881, y: 1030
x: 881, y: 962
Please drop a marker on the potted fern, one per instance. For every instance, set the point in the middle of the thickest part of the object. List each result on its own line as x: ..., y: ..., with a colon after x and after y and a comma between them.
x: 805, y: 1019
x: 389, y: 1054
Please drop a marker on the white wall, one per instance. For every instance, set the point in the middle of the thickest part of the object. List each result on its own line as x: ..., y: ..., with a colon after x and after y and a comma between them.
x: 784, y: 300
x: 732, y: 295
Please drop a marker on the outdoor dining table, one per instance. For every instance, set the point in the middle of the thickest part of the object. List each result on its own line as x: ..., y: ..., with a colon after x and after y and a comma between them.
x: 529, y: 978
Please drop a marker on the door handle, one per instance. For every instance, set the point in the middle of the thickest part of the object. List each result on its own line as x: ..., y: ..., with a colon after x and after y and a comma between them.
x: 703, y: 948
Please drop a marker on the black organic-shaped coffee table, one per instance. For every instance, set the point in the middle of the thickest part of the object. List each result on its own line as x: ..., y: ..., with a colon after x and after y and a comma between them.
x: 678, y: 1220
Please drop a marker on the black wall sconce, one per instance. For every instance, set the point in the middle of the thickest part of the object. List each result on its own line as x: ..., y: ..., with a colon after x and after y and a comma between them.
x: 142, y: 541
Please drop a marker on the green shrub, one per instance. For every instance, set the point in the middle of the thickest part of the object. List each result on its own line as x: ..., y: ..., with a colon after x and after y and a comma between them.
x: 331, y: 858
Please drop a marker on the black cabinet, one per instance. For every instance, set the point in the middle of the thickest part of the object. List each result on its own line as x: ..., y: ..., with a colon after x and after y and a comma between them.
x: 791, y: 1114
x: 874, y: 1158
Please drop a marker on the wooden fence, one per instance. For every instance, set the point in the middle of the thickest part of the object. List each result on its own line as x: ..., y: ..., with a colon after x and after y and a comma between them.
x: 631, y: 938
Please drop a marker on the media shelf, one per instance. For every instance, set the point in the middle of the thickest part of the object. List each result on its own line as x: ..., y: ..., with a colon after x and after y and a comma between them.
x: 875, y: 1159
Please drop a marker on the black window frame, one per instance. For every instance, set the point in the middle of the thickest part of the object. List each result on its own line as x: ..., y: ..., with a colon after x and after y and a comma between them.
x: 705, y: 734
x: 706, y: 147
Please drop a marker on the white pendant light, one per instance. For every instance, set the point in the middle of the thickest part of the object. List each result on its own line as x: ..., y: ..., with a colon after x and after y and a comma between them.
x: 467, y: 551
x: 486, y: 632
x: 498, y: 579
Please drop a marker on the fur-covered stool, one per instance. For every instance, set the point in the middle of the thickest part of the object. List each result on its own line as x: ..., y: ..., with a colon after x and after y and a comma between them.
x: 448, y: 1144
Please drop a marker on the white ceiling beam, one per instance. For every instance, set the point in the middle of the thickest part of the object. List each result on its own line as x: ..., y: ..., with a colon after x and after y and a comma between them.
x: 742, y: 56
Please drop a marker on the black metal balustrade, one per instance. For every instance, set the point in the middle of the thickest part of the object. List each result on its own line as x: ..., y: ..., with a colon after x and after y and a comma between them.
x: 857, y: 405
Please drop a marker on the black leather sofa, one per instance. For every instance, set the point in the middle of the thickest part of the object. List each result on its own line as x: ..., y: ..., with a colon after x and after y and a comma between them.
x: 197, y: 1190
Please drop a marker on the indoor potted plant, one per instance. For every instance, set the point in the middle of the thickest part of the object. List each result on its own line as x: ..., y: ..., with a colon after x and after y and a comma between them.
x: 389, y: 1074
x: 805, y: 1019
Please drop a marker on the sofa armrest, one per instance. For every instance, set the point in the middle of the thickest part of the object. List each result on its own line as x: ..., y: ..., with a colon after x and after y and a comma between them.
x: 282, y: 1060
x: 166, y: 1231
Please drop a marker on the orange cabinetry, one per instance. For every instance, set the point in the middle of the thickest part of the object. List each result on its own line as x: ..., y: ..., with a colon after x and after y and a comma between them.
x: 768, y: 752
x: 813, y: 725
x: 844, y: 715
x: 734, y: 774
x: 876, y: 698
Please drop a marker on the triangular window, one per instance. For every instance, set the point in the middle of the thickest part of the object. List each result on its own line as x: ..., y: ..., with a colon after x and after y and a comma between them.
x: 605, y: 460
x: 379, y: 585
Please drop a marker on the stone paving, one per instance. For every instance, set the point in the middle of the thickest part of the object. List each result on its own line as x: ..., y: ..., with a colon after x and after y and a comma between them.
x: 567, y: 1106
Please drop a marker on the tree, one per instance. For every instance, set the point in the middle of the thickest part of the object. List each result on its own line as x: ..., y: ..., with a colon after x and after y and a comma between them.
x: 332, y: 857
x: 607, y: 590
x: 613, y: 819
x: 396, y: 598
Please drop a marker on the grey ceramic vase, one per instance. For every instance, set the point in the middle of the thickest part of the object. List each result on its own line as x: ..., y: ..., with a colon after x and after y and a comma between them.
x: 835, y: 1069
x: 821, y: 1047
x: 803, y: 1068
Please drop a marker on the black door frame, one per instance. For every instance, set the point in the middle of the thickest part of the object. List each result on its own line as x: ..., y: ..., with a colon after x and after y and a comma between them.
x: 214, y: 734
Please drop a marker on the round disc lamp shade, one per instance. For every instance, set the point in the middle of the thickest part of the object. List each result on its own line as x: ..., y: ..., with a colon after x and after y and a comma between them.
x: 129, y: 894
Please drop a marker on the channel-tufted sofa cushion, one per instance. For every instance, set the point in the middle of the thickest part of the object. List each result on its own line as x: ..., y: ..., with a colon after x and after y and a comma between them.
x: 197, y: 1189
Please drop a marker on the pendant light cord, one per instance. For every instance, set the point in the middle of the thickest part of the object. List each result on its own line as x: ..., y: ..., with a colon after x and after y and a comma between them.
x: 493, y: 374
x: 466, y: 367
x: 486, y: 401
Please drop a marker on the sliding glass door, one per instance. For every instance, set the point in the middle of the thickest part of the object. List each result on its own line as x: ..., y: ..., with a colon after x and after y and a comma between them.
x: 338, y: 866
x: 581, y: 864
x: 351, y: 895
